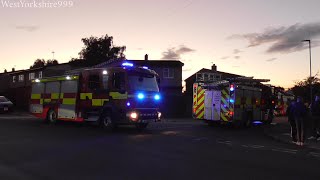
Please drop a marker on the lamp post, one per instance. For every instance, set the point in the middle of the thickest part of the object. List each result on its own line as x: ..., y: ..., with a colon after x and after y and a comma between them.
x: 309, y: 41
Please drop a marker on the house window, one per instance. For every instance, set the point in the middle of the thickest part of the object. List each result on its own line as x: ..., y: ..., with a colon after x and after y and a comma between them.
x: 40, y: 74
x: 31, y: 76
x: 14, y: 79
x: 21, y: 78
x: 168, y: 73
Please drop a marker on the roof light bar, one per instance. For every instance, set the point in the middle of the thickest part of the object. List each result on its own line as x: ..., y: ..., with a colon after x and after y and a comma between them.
x: 127, y: 64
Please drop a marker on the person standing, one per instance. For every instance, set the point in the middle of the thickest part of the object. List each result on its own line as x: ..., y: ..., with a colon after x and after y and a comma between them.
x: 299, y: 113
x: 315, y: 118
x: 291, y: 120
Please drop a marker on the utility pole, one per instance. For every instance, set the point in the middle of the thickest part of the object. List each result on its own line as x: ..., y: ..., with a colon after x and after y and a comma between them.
x: 309, y: 41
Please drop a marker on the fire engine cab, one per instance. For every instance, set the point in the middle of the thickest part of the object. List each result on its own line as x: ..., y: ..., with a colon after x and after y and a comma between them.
x: 240, y: 101
x: 109, y: 96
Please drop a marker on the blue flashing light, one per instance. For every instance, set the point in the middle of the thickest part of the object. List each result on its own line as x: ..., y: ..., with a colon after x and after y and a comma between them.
x: 145, y: 67
x: 140, y: 96
x: 157, y: 97
x: 231, y: 101
x: 127, y: 64
x: 257, y: 122
x: 128, y: 104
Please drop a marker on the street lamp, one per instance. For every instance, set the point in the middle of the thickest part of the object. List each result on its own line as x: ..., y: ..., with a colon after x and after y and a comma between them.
x: 309, y: 41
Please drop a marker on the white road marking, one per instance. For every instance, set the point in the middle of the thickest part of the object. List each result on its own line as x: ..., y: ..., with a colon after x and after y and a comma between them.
x: 200, y: 139
x: 224, y: 142
x: 256, y: 146
x: 292, y: 151
x: 314, y: 154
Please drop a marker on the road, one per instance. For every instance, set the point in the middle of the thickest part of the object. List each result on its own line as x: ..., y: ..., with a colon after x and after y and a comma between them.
x: 30, y: 149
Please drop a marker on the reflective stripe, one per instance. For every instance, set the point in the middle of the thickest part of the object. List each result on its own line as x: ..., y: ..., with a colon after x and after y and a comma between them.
x: 55, y: 95
x: 199, y: 107
x: 84, y: 96
x: 35, y: 96
x: 69, y: 101
x: 117, y: 95
x: 47, y: 100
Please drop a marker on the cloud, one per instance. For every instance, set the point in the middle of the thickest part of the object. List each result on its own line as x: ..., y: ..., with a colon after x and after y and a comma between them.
x: 27, y: 28
x: 175, y: 53
x: 284, y: 39
x: 272, y: 59
x: 225, y: 57
x: 236, y: 51
x: 237, y: 57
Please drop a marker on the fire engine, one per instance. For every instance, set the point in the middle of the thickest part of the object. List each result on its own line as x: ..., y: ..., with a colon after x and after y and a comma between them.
x: 241, y: 101
x: 108, y: 96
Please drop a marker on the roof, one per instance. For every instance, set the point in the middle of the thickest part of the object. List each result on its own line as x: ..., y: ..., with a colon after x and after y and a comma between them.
x: 157, y: 62
x: 204, y: 70
x: 33, y: 69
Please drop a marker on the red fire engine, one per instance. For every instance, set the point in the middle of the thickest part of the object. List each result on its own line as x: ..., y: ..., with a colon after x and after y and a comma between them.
x: 110, y: 96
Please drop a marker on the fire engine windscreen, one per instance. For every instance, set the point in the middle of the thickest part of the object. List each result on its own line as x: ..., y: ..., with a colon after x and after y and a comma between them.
x: 143, y: 82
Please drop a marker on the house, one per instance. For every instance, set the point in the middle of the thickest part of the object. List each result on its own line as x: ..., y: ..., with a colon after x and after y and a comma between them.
x: 16, y: 85
x: 169, y: 71
x: 207, y: 75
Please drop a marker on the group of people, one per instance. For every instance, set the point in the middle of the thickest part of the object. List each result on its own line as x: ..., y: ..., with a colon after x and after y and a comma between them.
x: 297, y: 116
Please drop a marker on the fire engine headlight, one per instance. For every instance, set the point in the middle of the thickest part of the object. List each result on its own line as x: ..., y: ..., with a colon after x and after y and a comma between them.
x: 159, y: 115
x: 140, y: 96
x: 133, y: 115
x: 157, y: 97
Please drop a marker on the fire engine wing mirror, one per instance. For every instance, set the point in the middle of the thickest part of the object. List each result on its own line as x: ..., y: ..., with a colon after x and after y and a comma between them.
x: 122, y: 91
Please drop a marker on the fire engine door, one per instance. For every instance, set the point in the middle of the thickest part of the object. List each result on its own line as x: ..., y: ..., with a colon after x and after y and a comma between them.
x: 208, y: 105
x: 212, y: 105
x: 216, y: 102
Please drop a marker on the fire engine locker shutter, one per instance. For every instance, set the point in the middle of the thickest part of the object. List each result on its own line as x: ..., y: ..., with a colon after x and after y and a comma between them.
x: 36, y: 100
x: 216, y: 105
x: 239, y: 107
x: 257, y: 116
x: 51, y: 92
x: 68, y: 96
x: 208, y: 105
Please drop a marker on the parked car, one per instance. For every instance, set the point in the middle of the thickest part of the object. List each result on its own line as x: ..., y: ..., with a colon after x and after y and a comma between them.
x: 5, y: 104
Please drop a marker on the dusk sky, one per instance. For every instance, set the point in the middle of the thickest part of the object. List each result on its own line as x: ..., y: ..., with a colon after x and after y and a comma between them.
x: 260, y: 38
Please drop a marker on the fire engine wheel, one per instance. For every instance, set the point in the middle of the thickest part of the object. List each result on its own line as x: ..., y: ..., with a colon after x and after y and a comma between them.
x: 52, y: 117
x: 141, y: 126
x: 106, y: 122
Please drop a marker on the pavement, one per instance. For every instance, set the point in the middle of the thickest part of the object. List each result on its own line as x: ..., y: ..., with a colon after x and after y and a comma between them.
x: 280, y: 130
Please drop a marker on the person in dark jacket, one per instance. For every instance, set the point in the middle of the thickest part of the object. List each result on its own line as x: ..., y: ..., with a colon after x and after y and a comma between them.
x: 299, y: 113
x: 315, y: 118
x: 291, y: 120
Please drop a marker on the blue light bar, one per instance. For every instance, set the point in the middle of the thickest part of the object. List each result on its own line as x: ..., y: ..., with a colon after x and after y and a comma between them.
x: 257, y: 122
x: 232, y: 101
x: 128, y: 104
x: 140, y: 96
x: 157, y: 97
x: 127, y: 64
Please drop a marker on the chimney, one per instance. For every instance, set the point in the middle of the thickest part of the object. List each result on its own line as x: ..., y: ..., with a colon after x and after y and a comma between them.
x: 146, y: 57
x: 13, y: 69
x: 214, y: 68
x: 5, y: 71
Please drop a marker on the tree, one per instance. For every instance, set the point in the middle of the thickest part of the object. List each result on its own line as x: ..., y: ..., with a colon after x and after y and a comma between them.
x: 302, y: 88
x: 51, y: 62
x: 38, y: 63
x: 97, y: 50
x: 42, y: 63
